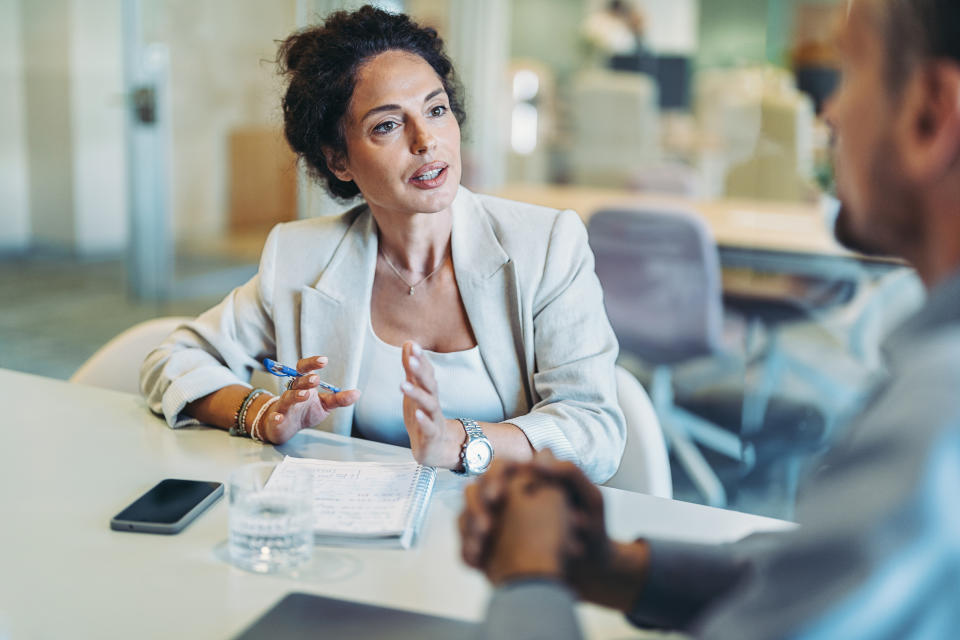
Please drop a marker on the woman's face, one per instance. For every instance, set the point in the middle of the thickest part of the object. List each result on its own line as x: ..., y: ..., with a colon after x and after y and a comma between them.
x: 403, y: 141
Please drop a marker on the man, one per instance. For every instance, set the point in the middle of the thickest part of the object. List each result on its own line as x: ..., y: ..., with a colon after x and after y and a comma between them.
x: 877, y: 553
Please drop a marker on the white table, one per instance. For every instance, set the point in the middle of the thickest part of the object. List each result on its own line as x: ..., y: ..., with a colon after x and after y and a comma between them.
x: 73, y: 456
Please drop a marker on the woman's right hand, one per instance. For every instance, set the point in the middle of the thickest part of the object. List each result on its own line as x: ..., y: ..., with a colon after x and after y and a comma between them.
x: 301, y: 405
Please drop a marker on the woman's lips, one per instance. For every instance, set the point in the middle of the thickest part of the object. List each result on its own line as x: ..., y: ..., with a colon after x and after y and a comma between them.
x: 430, y: 176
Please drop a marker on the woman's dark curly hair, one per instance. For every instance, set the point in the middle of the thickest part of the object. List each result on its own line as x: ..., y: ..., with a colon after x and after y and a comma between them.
x: 321, y: 63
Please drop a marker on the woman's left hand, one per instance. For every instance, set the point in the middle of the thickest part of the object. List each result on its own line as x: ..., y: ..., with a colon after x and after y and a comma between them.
x: 434, y: 440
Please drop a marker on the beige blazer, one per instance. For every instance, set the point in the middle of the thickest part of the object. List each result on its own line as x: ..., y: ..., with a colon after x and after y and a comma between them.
x: 527, y: 282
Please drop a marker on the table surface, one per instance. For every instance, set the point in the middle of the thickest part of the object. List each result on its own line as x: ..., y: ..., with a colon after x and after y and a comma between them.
x: 73, y: 456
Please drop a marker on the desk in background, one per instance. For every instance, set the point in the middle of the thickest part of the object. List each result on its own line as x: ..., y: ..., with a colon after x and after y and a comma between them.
x: 73, y: 456
x: 765, y: 236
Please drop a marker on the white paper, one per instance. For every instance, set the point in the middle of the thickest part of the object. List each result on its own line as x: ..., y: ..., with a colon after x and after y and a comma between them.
x: 356, y: 498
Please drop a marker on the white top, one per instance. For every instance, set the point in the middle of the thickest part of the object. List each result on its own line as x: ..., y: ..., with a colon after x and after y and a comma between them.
x: 466, y: 390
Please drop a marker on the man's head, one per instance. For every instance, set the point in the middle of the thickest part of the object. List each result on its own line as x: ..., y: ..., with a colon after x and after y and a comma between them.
x: 897, y: 120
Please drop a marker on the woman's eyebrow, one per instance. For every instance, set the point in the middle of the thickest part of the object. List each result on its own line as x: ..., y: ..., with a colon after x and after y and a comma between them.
x: 433, y: 94
x: 375, y: 110
x: 396, y: 107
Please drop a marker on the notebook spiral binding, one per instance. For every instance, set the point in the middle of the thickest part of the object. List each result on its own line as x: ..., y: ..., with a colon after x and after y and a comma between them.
x: 421, y: 488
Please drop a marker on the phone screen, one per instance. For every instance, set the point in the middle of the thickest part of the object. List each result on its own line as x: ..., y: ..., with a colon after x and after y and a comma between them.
x: 168, y: 501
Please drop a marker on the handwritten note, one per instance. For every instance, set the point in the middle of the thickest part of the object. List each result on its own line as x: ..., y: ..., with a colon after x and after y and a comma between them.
x: 358, y: 498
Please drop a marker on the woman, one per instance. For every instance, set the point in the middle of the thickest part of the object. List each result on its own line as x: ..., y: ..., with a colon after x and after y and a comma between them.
x: 437, y: 303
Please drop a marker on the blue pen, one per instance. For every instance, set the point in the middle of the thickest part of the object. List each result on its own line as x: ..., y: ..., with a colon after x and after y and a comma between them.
x: 283, y: 370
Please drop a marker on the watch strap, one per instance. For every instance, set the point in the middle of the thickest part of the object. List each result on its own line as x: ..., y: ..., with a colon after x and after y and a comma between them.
x: 473, y: 432
x: 472, y: 428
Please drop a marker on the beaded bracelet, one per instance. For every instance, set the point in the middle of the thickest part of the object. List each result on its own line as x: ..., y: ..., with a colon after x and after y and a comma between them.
x: 255, y: 427
x: 238, y: 428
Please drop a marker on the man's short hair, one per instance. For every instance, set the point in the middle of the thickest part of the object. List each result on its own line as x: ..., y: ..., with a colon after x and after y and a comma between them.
x: 917, y: 30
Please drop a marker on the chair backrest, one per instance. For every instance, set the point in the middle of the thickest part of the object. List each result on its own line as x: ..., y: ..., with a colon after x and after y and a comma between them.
x: 660, y: 273
x: 645, y: 466
x: 116, y: 365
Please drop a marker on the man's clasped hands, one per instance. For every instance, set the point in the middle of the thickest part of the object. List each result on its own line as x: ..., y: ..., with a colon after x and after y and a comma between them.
x: 544, y: 519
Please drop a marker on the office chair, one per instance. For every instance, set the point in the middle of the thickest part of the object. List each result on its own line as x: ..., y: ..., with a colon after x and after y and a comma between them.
x: 660, y: 273
x: 856, y: 314
x: 116, y: 365
x: 769, y: 316
x: 645, y: 467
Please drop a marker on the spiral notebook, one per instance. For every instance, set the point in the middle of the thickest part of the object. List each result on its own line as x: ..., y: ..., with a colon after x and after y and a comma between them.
x: 365, y: 503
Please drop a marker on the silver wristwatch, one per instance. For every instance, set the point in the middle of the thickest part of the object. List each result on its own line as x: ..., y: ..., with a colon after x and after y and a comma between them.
x: 477, y: 452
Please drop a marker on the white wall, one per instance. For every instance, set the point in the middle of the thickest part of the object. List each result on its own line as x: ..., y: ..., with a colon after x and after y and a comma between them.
x: 70, y: 121
x: 46, y: 38
x: 479, y: 46
x: 221, y: 79
x: 14, y: 194
x: 97, y: 125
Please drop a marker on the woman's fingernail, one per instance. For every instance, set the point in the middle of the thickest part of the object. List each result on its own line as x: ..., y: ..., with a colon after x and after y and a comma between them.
x: 312, y: 379
x: 301, y: 394
x: 421, y: 415
x: 406, y: 386
x: 414, y: 363
x: 416, y: 348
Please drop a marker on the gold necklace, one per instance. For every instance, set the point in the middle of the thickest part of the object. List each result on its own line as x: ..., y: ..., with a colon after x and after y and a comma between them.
x: 404, y: 280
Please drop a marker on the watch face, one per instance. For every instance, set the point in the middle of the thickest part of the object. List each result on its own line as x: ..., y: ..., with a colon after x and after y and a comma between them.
x: 478, y: 456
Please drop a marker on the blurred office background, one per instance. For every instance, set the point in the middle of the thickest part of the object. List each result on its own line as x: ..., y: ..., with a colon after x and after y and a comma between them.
x: 143, y: 163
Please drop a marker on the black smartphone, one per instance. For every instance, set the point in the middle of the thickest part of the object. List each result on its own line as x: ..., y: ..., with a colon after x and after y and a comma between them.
x: 168, y: 507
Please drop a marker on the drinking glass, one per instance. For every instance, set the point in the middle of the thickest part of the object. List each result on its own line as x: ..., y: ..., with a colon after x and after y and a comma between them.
x: 271, y: 523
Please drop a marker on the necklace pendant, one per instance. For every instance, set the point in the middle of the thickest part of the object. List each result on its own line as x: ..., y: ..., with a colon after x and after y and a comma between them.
x: 411, y: 290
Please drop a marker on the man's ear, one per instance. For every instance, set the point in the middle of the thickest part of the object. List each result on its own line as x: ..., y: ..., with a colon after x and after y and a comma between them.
x: 337, y: 164
x: 933, y: 104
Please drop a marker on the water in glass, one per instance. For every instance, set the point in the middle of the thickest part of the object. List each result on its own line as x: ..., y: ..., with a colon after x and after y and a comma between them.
x: 270, y: 528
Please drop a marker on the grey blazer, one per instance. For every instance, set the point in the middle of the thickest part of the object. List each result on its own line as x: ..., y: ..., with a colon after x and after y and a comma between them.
x: 526, y: 278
